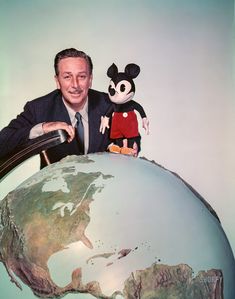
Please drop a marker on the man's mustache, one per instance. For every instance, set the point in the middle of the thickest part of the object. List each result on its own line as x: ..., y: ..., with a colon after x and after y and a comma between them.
x: 76, y: 90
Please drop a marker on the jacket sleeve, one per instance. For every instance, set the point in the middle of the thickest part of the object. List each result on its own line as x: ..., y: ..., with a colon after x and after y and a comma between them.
x: 17, y: 132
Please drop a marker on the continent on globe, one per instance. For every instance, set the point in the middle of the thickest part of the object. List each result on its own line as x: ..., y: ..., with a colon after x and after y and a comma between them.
x: 32, y: 229
x: 83, y: 225
x: 162, y: 281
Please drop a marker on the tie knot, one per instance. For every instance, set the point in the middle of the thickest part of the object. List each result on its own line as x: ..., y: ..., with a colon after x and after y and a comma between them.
x: 78, y: 117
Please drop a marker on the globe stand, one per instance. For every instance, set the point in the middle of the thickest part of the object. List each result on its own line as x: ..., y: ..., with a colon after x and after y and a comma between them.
x: 35, y: 146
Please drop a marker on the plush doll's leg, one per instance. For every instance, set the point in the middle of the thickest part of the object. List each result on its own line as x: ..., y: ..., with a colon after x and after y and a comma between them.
x: 135, y: 141
x: 131, y: 146
x: 119, y: 142
x: 126, y: 149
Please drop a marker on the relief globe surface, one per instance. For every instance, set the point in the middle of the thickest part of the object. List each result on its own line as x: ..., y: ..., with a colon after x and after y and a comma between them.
x: 111, y: 226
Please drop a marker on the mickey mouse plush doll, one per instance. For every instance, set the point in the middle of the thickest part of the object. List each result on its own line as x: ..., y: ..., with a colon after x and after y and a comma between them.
x: 124, y: 126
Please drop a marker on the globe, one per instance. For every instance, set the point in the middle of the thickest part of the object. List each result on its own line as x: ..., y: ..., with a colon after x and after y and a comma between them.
x: 111, y: 226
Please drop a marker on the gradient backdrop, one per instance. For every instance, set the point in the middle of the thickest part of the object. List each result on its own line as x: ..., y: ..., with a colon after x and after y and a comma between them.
x: 185, y: 51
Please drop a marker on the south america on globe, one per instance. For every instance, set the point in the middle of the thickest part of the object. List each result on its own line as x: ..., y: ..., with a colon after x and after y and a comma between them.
x: 113, y: 226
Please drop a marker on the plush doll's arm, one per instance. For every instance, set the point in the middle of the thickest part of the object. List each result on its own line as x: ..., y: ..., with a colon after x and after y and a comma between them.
x: 145, y: 121
x: 105, y: 120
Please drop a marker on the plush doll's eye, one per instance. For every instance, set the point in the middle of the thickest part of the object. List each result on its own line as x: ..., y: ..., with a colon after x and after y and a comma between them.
x: 122, y: 87
x: 111, y: 90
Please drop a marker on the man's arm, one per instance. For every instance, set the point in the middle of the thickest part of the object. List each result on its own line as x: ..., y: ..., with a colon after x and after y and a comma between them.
x: 46, y: 127
x: 19, y: 129
x: 17, y: 132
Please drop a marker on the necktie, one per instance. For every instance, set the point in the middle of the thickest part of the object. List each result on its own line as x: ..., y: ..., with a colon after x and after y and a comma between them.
x: 80, y: 132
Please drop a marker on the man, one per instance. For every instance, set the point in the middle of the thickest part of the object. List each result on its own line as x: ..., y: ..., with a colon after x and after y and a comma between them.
x: 58, y: 110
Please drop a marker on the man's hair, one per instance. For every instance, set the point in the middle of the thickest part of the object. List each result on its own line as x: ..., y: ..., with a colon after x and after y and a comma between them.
x: 71, y: 53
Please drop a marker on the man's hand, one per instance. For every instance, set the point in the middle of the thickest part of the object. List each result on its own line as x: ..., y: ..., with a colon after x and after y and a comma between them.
x: 57, y: 125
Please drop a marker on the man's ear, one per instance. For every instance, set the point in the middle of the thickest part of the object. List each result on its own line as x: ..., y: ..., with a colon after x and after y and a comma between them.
x: 90, y: 83
x: 57, y: 82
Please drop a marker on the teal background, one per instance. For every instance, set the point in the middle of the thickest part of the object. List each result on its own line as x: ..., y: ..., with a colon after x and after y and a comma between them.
x: 185, y: 51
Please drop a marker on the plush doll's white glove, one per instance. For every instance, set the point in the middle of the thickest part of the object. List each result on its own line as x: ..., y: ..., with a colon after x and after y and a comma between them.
x: 145, y: 124
x: 104, y: 124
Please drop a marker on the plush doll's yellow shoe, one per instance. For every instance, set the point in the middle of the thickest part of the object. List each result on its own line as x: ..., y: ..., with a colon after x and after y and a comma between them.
x: 113, y: 148
x: 127, y: 151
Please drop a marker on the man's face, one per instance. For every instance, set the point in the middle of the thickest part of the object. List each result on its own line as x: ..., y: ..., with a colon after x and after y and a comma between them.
x: 74, y: 80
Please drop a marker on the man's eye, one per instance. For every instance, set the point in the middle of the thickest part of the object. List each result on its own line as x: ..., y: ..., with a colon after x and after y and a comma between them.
x: 83, y: 77
x: 66, y: 77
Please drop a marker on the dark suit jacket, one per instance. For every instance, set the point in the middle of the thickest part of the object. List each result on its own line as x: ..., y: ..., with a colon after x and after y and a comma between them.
x: 51, y: 108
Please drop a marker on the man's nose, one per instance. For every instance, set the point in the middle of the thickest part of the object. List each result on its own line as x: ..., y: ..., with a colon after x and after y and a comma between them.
x: 75, y: 82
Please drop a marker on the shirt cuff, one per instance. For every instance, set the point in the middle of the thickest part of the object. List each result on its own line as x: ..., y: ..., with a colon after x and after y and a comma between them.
x: 36, y: 131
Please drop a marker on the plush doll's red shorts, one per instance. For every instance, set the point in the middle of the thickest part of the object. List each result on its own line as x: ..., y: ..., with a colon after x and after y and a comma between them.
x: 124, y: 125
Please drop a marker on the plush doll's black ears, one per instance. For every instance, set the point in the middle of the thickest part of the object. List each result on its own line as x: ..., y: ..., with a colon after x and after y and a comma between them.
x: 112, y: 71
x: 132, y: 70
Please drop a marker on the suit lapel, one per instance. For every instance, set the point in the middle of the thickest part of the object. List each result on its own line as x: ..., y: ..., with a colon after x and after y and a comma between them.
x: 60, y: 112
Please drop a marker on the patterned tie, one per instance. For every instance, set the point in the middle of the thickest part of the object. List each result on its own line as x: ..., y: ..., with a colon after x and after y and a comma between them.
x: 80, y: 132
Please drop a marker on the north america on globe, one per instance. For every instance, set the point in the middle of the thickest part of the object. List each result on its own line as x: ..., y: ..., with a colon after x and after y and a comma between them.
x: 110, y: 226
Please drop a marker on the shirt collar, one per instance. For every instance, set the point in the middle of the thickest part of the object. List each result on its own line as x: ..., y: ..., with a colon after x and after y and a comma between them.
x: 71, y: 112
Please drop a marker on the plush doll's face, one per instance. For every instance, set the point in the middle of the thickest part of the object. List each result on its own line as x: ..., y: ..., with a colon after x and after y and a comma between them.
x: 122, y: 87
x: 121, y: 92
